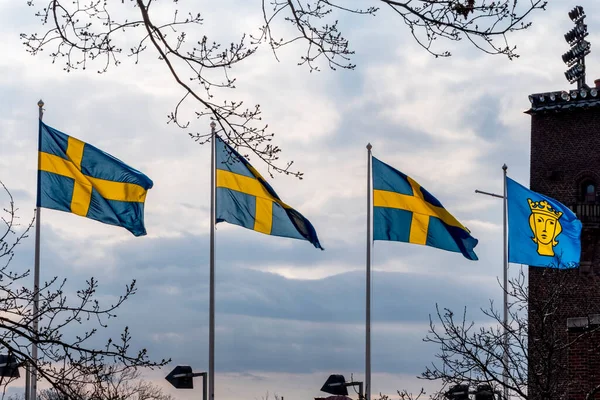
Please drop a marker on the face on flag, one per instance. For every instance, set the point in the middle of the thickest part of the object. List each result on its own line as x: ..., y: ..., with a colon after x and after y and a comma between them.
x: 541, y: 231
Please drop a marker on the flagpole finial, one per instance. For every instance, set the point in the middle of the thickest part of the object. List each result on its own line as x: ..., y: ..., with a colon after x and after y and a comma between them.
x: 213, y: 125
x: 369, y: 147
x: 504, y: 167
x: 40, y: 109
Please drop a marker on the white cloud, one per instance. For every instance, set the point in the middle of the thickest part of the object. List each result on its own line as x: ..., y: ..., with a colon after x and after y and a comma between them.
x: 450, y: 124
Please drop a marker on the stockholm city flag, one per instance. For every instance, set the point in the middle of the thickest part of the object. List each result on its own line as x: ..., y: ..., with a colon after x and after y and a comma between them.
x: 542, y: 232
x: 404, y: 211
x: 77, y: 177
x: 244, y: 198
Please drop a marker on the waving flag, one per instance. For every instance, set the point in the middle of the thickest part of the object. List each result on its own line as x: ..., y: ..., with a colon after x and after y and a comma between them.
x: 542, y: 232
x: 77, y: 177
x: 404, y: 211
x: 244, y: 198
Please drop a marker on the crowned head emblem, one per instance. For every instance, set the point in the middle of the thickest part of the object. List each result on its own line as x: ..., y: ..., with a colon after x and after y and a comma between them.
x: 545, y: 225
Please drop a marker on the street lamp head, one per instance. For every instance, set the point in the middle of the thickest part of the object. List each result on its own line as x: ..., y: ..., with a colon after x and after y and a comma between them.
x: 484, y: 392
x: 9, y: 366
x: 336, y: 385
x: 458, y: 392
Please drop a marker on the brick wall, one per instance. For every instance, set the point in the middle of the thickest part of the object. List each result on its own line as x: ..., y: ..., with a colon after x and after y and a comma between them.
x: 565, y: 152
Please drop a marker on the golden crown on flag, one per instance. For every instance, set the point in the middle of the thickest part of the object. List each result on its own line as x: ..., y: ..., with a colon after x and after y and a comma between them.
x: 543, y: 207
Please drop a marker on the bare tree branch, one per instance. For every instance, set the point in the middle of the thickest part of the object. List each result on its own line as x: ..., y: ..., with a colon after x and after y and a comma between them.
x: 68, y: 322
x: 103, y: 32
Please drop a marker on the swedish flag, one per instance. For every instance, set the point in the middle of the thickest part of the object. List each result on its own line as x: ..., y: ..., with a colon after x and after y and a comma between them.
x: 77, y: 177
x: 404, y: 211
x: 244, y: 198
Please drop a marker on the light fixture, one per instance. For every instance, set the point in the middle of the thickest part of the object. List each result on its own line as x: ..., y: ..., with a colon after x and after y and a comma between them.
x: 565, y: 96
x: 9, y: 366
x: 577, y: 33
x: 531, y: 99
x: 458, y: 392
x: 542, y: 98
x: 583, y: 93
x: 552, y: 97
x: 578, y: 51
x: 575, y: 57
x: 337, y: 386
x: 575, y: 73
x: 484, y: 392
x: 182, y: 377
x: 577, y: 14
x: 574, y: 94
x: 594, y: 92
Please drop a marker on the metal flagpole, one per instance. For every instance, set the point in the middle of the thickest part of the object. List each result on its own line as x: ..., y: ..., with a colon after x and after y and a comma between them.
x: 368, y: 284
x: 211, y: 312
x: 36, y: 282
x: 505, y: 280
x: 505, y: 237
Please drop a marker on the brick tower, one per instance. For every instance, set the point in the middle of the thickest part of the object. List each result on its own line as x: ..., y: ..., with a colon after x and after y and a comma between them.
x: 564, y: 305
x: 564, y: 345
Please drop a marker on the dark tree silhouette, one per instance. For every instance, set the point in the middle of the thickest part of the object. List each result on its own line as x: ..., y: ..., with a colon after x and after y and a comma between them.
x: 538, y: 345
x: 112, y: 385
x: 68, y: 321
x: 104, y: 32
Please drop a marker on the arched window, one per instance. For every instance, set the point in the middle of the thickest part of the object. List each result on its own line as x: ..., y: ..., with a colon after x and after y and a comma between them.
x: 589, y: 192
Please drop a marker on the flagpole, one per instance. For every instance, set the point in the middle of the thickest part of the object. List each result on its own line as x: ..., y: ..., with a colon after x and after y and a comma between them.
x: 505, y: 237
x: 36, y: 281
x: 211, y: 312
x: 368, y: 284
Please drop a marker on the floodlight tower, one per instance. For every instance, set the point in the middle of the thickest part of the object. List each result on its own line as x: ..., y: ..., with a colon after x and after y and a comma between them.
x: 575, y: 57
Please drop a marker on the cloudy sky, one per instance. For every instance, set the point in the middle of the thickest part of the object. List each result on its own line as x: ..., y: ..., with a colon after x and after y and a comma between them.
x: 288, y: 315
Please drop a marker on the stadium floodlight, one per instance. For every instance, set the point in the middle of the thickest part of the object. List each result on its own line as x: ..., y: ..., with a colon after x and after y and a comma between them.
x: 575, y: 73
x: 577, y: 33
x: 577, y: 14
x: 575, y: 57
x: 577, y: 52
